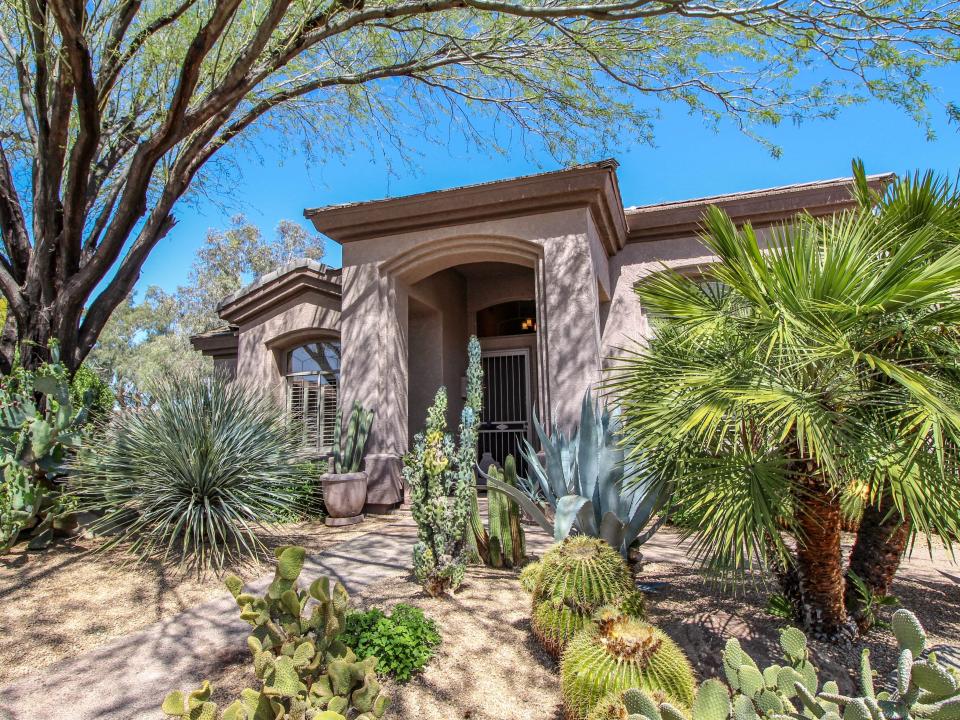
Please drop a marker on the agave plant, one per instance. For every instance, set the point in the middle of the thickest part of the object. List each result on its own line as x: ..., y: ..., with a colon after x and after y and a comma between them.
x: 196, y: 475
x: 582, y: 482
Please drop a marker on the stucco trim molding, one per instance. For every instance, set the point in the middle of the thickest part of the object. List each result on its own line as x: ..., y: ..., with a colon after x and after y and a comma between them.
x: 428, y: 258
x: 300, y: 336
x: 592, y: 186
x: 272, y: 290
x: 761, y: 208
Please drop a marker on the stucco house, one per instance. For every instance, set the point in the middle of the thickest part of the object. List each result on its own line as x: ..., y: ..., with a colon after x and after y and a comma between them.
x: 541, y: 268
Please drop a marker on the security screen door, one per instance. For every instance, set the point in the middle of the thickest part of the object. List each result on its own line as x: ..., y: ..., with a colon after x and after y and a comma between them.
x: 506, y: 403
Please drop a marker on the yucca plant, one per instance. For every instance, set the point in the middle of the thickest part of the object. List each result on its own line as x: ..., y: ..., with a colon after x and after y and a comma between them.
x: 194, y: 477
x: 822, y: 356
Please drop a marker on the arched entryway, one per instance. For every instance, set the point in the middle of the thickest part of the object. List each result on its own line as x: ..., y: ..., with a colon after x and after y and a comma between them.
x: 497, y: 302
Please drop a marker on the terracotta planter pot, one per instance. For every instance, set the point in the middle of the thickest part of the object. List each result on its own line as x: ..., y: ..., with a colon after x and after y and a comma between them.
x: 344, y: 494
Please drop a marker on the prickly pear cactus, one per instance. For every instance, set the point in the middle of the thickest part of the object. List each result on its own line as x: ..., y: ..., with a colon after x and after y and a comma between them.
x: 922, y: 688
x: 35, y: 441
x: 306, y: 673
x: 442, y: 486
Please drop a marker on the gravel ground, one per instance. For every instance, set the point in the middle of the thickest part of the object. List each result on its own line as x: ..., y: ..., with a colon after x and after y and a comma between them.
x: 701, y: 616
x: 68, y: 600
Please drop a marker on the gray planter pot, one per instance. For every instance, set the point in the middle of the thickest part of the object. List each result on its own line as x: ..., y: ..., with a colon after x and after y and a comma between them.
x: 344, y: 494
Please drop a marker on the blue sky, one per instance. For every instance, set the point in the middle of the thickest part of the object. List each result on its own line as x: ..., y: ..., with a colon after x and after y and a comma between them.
x: 688, y: 160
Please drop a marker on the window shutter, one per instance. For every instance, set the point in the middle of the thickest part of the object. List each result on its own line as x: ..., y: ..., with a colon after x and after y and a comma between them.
x: 303, y: 404
x: 328, y: 416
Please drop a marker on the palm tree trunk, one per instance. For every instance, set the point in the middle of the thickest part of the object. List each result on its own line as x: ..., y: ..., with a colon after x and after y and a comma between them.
x: 819, y: 561
x: 881, y: 542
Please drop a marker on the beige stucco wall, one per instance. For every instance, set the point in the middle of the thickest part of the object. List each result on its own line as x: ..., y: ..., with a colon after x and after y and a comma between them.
x: 560, y: 249
x: 264, y: 340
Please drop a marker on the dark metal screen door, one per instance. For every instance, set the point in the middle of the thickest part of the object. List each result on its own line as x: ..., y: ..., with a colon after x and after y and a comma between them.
x: 506, y: 403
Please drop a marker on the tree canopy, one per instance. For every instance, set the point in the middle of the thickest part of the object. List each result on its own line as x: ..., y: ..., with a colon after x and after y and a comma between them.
x: 113, y: 112
x: 148, y: 340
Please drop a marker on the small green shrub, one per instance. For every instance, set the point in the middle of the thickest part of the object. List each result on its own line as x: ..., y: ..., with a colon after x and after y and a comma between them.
x: 403, y: 642
x: 88, y: 388
x: 308, y: 492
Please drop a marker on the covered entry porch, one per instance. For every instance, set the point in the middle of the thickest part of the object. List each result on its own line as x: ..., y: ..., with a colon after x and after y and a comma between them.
x: 523, y: 264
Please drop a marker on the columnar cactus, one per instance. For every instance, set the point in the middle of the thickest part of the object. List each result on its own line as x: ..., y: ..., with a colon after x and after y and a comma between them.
x: 442, y: 485
x: 504, y: 544
x: 618, y: 653
x: 348, y: 448
x: 305, y: 671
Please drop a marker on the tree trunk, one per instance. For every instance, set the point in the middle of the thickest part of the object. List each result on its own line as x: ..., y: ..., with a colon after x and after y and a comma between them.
x: 881, y: 542
x: 819, y: 562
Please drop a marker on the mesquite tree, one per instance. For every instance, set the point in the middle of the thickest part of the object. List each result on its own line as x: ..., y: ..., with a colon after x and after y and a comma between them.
x: 113, y: 112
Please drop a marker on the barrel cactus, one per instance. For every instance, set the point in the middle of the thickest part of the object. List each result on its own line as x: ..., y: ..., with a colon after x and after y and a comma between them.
x: 572, y: 581
x: 585, y: 572
x: 629, y: 704
x: 618, y: 653
x: 530, y: 576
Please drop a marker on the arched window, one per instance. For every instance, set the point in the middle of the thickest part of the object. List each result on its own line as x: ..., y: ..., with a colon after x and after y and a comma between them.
x: 313, y: 376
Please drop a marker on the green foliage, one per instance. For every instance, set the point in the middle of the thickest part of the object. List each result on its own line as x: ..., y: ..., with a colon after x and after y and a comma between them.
x: 442, y: 485
x: 195, y: 475
x: 403, y: 641
x: 530, y: 576
x: 348, y: 449
x: 39, y: 427
x: 921, y: 687
x: 582, y: 481
x: 813, y: 363
x: 307, y: 493
x: 305, y: 670
x: 88, y: 388
x: 870, y: 603
x: 504, y: 544
x: 618, y: 653
x: 573, y: 580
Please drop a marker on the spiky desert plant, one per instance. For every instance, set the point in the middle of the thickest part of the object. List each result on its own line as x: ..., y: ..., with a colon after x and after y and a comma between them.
x: 922, y: 687
x: 626, y: 705
x: 585, y: 572
x: 442, y: 485
x: 195, y: 476
x: 504, y: 544
x: 621, y: 652
x: 530, y: 576
x: 348, y: 447
x: 573, y: 580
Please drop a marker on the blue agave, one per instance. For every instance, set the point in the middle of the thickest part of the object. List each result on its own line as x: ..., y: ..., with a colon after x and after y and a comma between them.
x: 582, y: 480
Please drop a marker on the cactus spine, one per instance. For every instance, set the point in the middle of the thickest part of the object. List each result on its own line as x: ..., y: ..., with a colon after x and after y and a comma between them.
x: 619, y: 653
x: 348, y: 449
x: 575, y: 579
x: 504, y: 544
x: 442, y: 485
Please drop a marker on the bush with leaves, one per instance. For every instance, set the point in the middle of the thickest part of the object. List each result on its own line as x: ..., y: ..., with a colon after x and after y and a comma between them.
x: 403, y: 641
x: 87, y: 386
x: 194, y: 476
x: 39, y: 428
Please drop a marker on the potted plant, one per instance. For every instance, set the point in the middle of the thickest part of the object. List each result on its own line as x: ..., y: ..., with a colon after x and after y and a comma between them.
x: 344, y: 485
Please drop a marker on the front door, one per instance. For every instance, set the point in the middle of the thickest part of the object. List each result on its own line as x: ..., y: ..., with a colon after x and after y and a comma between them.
x: 506, y: 404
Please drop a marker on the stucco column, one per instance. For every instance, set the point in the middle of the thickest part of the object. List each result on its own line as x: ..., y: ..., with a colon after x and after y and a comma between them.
x: 374, y: 373
x: 570, y: 327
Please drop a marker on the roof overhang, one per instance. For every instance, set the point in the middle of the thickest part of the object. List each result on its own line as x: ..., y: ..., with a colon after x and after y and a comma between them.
x: 220, y: 343
x: 759, y: 207
x: 276, y: 287
x: 592, y: 186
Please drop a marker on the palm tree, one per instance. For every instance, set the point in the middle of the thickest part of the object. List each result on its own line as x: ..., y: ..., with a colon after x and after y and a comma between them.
x: 816, y: 363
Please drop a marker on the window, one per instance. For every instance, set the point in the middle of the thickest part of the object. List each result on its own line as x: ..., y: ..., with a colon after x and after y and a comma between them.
x: 313, y: 376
